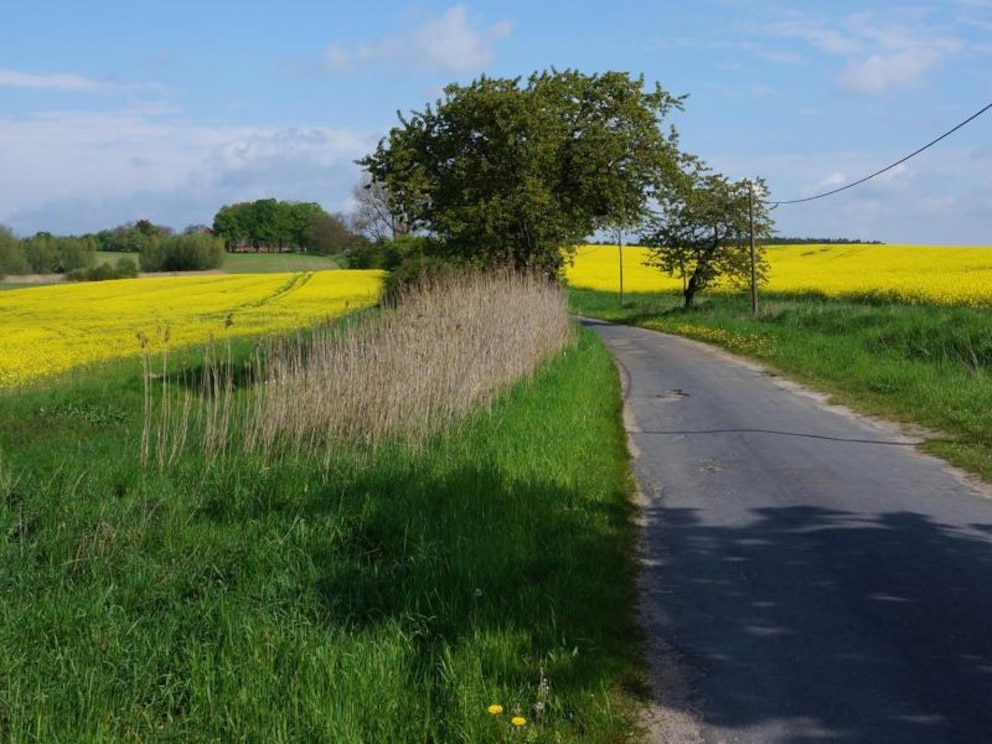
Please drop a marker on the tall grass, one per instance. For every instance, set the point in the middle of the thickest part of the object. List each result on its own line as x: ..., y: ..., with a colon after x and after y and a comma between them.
x: 448, y: 346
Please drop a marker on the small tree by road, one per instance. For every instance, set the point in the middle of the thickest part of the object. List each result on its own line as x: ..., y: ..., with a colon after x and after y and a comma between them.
x: 701, y: 232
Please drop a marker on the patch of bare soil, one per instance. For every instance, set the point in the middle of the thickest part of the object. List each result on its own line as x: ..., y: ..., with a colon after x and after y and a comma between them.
x: 150, y: 274
x: 34, y: 279
x: 60, y: 279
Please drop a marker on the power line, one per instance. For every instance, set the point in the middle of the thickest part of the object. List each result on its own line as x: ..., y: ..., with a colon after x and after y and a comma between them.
x: 860, y: 181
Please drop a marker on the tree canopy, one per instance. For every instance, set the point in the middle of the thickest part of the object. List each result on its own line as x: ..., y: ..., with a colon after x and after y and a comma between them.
x: 701, y: 231
x: 132, y: 237
x: 507, y: 172
x: 278, y: 225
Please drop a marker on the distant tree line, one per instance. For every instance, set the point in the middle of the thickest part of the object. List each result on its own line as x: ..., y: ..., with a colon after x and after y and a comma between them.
x: 778, y: 240
x: 160, y: 249
x: 271, y: 225
x: 371, y: 237
x: 156, y: 247
x: 44, y: 253
x: 361, y: 240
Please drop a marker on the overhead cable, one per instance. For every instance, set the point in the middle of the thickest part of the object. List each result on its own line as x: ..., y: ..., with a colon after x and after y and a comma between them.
x: 899, y: 162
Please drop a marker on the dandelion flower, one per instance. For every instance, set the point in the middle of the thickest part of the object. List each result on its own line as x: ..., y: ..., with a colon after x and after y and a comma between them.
x: 495, y: 709
x: 518, y: 721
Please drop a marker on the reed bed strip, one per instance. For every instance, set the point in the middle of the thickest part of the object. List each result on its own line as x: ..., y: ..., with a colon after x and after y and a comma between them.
x: 446, y: 348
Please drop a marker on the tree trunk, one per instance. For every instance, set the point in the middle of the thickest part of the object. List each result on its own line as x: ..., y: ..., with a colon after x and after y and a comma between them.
x: 689, y: 292
x: 696, y: 280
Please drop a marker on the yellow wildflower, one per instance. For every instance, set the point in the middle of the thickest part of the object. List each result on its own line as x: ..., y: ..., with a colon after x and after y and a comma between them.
x: 495, y: 709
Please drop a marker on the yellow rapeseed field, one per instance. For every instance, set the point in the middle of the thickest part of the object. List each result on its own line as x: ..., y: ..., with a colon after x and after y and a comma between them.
x: 944, y: 275
x: 47, y: 330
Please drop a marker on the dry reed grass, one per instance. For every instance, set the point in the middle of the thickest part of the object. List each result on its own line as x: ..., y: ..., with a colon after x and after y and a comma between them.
x: 446, y: 348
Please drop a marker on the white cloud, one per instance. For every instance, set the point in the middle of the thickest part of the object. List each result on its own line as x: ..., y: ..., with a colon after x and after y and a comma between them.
x: 834, y: 179
x: 880, y: 55
x: 832, y: 41
x: 67, y: 82
x: 81, y: 171
x: 879, y: 73
x: 895, y: 174
x: 252, y: 146
x: 448, y: 42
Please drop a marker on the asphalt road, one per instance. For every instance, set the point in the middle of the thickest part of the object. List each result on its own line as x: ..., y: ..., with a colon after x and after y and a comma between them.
x: 818, y: 578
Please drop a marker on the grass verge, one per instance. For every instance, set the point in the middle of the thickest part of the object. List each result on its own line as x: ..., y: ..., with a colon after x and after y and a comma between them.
x: 389, y: 598
x: 252, y: 263
x: 275, y: 263
x: 919, y: 364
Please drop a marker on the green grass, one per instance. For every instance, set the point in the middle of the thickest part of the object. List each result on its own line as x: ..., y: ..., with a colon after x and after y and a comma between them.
x: 266, y: 263
x: 234, y: 263
x: 925, y: 365
x: 390, y: 599
x: 253, y: 263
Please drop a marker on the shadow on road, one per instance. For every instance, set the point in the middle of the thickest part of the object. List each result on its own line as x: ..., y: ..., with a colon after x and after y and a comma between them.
x: 878, y: 629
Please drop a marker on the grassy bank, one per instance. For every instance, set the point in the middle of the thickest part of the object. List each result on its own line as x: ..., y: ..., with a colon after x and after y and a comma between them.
x: 392, y: 596
x: 252, y: 263
x: 923, y: 364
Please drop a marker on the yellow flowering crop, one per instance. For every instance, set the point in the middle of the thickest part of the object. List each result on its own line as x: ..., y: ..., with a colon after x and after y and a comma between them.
x: 598, y: 267
x: 943, y: 275
x: 46, y: 330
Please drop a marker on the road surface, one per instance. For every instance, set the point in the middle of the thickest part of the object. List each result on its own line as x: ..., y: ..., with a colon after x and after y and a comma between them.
x: 813, y: 575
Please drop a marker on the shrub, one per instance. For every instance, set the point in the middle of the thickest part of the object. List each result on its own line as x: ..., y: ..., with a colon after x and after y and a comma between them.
x: 41, y: 254
x: 407, y: 258
x: 12, y: 259
x: 73, y: 253
x: 46, y: 254
x: 413, y: 270
x: 382, y: 255
x: 198, y: 252
x: 124, y: 268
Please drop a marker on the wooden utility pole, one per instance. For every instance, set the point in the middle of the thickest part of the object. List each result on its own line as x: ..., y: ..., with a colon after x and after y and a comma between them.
x: 620, y: 249
x: 754, y: 275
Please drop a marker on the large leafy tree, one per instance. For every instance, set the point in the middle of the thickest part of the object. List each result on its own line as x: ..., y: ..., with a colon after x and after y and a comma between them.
x: 270, y: 224
x: 300, y: 220
x: 516, y: 173
x: 231, y: 223
x: 328, y: 233
x: 701, y: 231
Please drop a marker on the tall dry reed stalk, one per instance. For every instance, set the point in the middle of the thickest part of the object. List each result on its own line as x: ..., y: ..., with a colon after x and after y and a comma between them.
x: 447, y: 347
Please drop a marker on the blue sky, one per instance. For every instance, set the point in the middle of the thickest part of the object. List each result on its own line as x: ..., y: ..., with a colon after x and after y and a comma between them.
x: 114, y: 111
